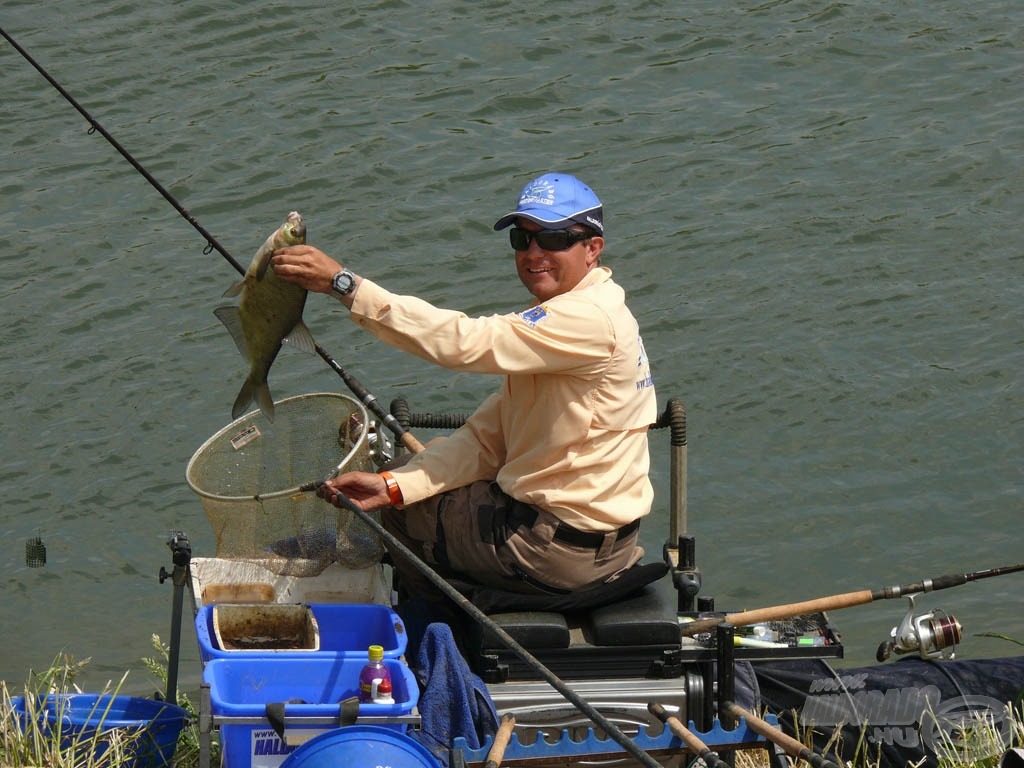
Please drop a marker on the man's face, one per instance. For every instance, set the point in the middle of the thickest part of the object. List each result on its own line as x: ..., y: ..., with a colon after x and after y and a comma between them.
x: 547, y: 274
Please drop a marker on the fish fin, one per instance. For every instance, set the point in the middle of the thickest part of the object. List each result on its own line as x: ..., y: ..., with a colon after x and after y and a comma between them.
x: 263, y: 264
x: 234, y: 290
x: 301, y: 338
x: 229, y: 315
x: 249, y: 392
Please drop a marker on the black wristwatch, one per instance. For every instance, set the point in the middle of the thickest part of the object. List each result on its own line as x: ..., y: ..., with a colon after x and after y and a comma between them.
x: 343, y: 283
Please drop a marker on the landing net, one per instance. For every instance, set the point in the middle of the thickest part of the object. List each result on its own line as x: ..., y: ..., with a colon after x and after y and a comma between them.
x: 249, y: 476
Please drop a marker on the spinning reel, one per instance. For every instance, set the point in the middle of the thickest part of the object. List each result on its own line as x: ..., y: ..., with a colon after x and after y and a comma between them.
x: 928, y: 634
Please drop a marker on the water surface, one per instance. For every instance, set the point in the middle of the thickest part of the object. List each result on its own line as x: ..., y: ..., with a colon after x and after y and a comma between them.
x: 815, y: 211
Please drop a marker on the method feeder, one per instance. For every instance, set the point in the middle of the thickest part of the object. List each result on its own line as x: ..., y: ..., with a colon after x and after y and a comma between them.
x: 846, y: 600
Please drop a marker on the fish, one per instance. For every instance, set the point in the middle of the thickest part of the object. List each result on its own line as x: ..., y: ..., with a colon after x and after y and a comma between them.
x: 268, y: 315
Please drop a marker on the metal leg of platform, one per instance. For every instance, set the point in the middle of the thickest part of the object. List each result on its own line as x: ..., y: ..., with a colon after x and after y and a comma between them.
x: 205, y: 726
x: 777, y: 757
x: 726, y: 678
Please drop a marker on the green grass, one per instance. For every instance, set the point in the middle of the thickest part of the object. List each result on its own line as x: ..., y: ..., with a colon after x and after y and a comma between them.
x: 975, y: 744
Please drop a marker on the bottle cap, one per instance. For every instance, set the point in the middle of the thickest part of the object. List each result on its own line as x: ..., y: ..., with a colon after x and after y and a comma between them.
x: 382, y: 691
x: 375, y: 652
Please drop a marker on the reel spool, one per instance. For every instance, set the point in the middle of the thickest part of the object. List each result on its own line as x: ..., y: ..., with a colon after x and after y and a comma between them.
x: 928, y: 634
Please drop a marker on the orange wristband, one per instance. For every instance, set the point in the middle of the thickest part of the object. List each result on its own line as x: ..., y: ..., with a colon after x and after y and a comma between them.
x: 394, y: 492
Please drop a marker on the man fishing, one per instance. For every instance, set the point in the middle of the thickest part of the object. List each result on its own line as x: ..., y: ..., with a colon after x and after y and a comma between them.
x: 542, y: 490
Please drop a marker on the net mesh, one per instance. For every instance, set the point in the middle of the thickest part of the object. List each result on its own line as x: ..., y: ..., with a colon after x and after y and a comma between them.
x: 248, y: 477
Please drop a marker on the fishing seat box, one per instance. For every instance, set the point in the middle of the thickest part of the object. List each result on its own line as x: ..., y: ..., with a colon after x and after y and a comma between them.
x: 634, y: 637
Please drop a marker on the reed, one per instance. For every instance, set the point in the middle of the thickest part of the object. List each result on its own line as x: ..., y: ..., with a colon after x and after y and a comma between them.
x: 978, y: 744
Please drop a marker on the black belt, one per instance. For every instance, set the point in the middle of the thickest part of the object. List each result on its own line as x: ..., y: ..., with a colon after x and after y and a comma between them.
x: 566, y: 534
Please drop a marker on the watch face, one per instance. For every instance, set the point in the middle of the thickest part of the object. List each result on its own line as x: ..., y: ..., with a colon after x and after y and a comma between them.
x: 342, y: 283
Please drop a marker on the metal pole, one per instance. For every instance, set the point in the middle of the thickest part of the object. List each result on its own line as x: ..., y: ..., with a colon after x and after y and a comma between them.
x: 181, y: 554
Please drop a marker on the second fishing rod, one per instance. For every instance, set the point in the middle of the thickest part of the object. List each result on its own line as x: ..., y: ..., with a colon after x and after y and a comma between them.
x: 362, y: 393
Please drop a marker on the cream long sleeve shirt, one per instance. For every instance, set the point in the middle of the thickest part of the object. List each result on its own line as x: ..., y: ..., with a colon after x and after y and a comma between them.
x: 567, y: 429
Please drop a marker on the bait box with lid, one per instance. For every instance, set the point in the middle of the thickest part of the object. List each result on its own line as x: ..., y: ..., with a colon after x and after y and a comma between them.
x: 311, y: 691
x: 341, y: 630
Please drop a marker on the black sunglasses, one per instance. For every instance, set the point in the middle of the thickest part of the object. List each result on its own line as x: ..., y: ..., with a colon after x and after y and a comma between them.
x: 547, y: 239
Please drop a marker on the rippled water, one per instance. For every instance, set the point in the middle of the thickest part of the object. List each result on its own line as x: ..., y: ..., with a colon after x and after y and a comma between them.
x: 814, y: 208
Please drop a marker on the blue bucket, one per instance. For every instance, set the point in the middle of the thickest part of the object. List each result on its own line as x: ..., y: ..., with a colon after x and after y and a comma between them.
x: 359, y: 745
x: 84, y: 720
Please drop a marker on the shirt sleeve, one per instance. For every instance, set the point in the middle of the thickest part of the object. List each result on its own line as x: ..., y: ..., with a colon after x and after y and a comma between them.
x: 569, y: 334
x: 474, y: 451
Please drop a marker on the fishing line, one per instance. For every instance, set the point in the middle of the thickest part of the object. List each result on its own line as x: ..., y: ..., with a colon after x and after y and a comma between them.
x: 211, y: 241
x: 212, y: 244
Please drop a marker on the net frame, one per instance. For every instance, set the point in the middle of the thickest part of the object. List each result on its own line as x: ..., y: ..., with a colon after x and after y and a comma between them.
x: 254, y: 479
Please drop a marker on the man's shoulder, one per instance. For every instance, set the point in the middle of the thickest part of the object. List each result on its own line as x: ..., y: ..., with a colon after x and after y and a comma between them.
x: 596, y: 287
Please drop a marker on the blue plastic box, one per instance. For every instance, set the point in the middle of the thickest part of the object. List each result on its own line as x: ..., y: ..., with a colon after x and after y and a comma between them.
x: 309, y: 687
x: 345, y: 630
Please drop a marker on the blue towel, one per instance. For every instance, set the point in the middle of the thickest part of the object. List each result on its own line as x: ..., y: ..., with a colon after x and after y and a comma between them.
x: 453, y: 700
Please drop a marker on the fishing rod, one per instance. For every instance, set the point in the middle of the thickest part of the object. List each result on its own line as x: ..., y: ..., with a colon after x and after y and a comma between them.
x: 791, y: 746
x: 845, y: 600
x: 688, y: 737
x: 367, y: 398
x: 501, y: 739
x: 213, y: 245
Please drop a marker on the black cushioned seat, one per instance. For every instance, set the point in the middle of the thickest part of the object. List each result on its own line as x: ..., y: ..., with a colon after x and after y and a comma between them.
x: 625, y: 627
x: 531, y: 629
x: 491, y: 600
x: 641, y: 620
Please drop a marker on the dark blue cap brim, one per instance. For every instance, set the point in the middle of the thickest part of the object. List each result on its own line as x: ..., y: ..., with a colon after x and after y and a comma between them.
x: 542, y: 216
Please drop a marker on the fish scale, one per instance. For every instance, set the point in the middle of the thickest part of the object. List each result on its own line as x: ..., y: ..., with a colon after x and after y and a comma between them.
x: 268, y: 314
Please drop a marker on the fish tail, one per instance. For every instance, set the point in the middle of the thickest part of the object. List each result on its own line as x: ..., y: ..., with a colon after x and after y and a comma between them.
x: 253, y: 391
x: 265, y: 401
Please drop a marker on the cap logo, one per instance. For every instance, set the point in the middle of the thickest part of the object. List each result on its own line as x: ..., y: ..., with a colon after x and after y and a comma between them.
x: 539, y: 191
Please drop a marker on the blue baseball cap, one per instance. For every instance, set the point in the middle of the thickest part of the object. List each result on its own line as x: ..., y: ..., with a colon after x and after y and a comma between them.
x: 557, y: 201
